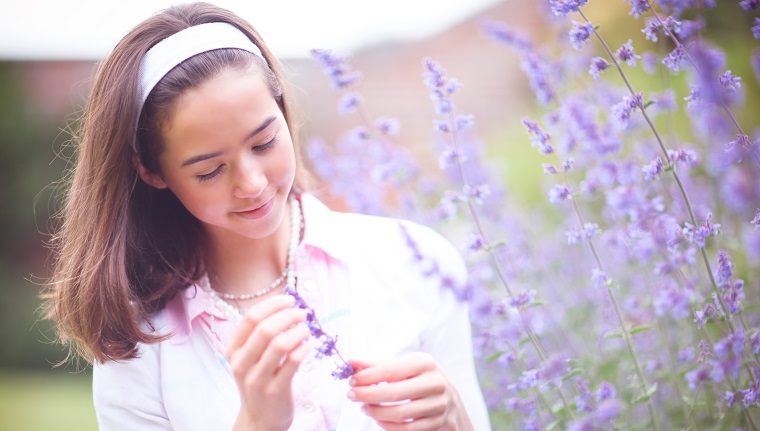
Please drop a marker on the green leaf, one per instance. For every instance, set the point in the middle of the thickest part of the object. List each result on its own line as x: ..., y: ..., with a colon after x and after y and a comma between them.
x: 494, y: 357
x: 616, y: 334
x: 641, y: 328
x: 646, y: 395
x: 574, y: 372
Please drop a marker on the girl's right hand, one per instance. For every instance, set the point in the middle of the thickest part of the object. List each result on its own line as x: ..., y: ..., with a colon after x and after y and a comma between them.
x: 264, y: 353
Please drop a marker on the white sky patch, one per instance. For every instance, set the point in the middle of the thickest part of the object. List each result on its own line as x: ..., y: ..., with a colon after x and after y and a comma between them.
x: 89, y: 29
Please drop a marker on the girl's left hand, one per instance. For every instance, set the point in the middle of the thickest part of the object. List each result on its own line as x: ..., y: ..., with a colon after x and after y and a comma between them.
x: 421, y: 397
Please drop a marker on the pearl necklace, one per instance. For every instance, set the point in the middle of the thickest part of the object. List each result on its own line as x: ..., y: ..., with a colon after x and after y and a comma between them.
x: 247, y: 296
x: 232, y: 313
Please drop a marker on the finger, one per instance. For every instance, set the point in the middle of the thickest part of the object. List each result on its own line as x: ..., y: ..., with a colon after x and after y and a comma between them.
x: 394, y: 370
x: 411, y: 389
x: 413, y: 410
x: 280, y: 347
x: 422, y: 424
x: 254, y: 316
x: 284, y: 375
x: 265, y: 332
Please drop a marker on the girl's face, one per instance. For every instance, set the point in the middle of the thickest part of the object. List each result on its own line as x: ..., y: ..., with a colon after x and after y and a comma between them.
x: 228, y: 155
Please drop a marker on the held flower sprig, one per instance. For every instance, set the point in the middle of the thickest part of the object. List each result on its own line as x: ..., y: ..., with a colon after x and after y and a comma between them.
x: 327, y: 345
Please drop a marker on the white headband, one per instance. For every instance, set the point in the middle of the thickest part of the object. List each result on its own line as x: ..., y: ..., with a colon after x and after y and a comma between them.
x: 167, y: 54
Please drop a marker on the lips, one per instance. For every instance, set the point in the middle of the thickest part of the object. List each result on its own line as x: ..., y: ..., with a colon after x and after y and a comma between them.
x: 257, y: 212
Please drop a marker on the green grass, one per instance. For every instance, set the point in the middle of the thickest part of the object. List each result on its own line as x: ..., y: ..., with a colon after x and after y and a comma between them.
x: 38, y: 400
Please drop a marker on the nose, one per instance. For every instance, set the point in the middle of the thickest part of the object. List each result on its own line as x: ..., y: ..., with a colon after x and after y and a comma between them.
x: 250, y: 180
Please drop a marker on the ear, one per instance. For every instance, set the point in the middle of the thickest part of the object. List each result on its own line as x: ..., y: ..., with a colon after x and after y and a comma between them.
x: 149, y: 177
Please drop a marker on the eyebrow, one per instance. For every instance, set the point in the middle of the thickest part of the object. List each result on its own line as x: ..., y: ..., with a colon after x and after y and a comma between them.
x: 202, y: 157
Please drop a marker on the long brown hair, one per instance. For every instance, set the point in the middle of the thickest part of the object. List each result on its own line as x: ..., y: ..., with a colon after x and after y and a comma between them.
x: 124, y: 248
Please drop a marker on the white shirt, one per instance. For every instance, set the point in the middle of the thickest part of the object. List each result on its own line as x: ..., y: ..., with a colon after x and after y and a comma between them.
x: 381, y: 285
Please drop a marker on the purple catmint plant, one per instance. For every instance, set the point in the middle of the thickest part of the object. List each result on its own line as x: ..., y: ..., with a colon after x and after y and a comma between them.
x: 640, y: 265
x: 327, y: 344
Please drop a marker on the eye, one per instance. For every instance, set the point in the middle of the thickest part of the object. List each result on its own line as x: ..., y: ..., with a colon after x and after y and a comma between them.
x: 267, y: 145
x: 210, y: 175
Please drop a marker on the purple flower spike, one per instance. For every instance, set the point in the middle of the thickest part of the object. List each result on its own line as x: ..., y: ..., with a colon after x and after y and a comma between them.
x: 598, y: 64
x: 638, y: 8
x: 327, y: 345
x: 580, y: 34
x: 675, y: 59
x: 749, y: 5
x: 564, y: 7
x: 337, y: 68
x: 625, y: 53
x: 559, y: 193
x: 756, y: 29
x: 756, y: 221
x: 539, y: 138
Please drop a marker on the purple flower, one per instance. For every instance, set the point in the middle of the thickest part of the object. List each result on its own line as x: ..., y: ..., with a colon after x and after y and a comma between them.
x: 749, y: 5
x: 559, y: 193
x: 756, y: 29
x: 440, y: 87
x: 683, y: 156
x: 709, y: 62
x: 388, y: 126
x: 694, y: 97
x: 730, y: 398
x: 564, y: 7
x: 754, y: 342
x: 336, y: 67
x: 729, y: 81
x: 584, y: 398
x: 741, y: 143
x: 755, y: 60
x: 698, y: 234
x: 500, y: 33
x: 702, y: 316
x: 327, y: 345
x: 638, y: 7
x: 751, y: 395
x: 756, y: 221
x: 549, y: 169
x: 580, y: 33
x: 622, y: 111
x: 538, y: 72
x: 651, y: 29
x: 585, y: 234
x: 653, y: 170
x: 475, y: 243
x: 348, y: 103
x: 465, y: 121
x: 598, y: 64
x: 343, y: 371
x: 599, y: 278
x: 523, y: 298
x: 538, y: 137
x: 476, y: 193
x: 625, y: 53
x: 725, y: 268
x: 675, y: 59
x: 605, y: 392
x: 696, y: 377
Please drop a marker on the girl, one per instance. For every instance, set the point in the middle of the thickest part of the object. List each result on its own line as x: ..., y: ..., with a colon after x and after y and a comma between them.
x: 186, y: 216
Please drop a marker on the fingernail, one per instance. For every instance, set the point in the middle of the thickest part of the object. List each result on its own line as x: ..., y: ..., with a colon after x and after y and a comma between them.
x: 351, y: 395
x: 363, y: 408
x: 352, y: 381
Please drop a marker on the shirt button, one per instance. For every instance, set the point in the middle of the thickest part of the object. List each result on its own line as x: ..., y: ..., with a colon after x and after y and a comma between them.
x: 308, y: 406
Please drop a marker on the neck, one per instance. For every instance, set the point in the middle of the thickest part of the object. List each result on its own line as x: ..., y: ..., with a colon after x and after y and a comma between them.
x: 243, y: 265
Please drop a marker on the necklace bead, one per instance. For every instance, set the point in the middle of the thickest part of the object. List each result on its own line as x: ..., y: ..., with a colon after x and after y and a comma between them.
x: 233, y: 313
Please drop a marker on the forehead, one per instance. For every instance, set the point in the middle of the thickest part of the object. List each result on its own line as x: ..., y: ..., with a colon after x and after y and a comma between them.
x: 221, y: 109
